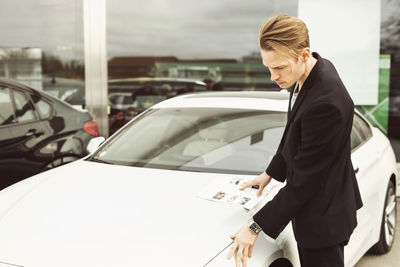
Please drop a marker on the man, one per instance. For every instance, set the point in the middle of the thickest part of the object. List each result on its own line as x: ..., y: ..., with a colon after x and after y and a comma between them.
x: 321, y: 194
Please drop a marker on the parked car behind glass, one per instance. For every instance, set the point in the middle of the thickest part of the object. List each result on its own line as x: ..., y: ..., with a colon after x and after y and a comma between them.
x: 138, y: 94
x: 38, y: 132
x: 129, y: 97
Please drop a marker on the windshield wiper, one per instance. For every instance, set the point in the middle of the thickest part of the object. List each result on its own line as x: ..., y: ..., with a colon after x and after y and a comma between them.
x: 100, y: 161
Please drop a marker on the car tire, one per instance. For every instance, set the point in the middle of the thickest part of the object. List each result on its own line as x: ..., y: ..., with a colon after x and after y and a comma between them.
x: 388, y: 224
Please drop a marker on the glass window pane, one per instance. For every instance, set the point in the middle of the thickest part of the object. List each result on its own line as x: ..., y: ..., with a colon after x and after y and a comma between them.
x: 24, y: 110
x: 42, y: 44
x: 362, y: 128
x: 186, y: 46
x: 355, y: 138
x: 6, y: 108
x: 44, y: 109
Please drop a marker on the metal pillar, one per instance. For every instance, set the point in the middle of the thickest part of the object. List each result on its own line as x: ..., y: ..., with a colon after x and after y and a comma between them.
x: 96, y: 90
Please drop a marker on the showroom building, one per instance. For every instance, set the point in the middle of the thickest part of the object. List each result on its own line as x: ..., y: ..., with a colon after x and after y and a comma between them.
x: 92, y: 54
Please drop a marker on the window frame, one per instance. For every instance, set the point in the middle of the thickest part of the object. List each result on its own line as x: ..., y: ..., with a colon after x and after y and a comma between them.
x: 370, y: 135
x: 52, y: 110
x: 11, y: 95
x: 26, y: 94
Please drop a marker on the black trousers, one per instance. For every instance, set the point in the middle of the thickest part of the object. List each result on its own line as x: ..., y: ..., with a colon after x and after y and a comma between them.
x: 322, y: 257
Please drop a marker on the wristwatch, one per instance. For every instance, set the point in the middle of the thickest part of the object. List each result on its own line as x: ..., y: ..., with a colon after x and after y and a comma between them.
x: 254, y: 227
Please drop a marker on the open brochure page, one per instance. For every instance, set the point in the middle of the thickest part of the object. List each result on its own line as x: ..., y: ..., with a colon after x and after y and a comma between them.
x: 227, y: 190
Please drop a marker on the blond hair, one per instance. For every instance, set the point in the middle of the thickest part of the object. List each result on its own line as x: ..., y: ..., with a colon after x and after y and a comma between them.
x: 285, y: 34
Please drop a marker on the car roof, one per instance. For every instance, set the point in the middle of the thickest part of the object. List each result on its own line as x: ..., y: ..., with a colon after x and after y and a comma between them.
x: 156, y: 79
x: 277, y: 95
x: 251, y: 100
x: 42, y: 93
x: 12, y: 83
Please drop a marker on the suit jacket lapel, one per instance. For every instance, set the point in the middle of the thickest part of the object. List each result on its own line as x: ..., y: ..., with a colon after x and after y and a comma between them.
x: 291, y: 90
x: 300, y: 97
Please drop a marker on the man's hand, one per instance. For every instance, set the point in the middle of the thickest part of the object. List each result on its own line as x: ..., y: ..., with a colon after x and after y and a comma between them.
x: 244, y: 239
x: 262, y: 181
x: 243, y: 245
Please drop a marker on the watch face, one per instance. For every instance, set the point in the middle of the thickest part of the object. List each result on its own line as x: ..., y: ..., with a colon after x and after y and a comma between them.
x: 255, y: 228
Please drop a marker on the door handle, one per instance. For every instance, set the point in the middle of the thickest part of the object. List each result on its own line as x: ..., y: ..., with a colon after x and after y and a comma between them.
x: 33, y: 132
x: 356, y: 170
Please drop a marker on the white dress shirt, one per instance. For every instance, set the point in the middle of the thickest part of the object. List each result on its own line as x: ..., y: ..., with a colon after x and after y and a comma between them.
x: 294, y: 96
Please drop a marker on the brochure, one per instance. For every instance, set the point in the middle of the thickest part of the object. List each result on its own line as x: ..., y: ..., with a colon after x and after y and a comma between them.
x: 227, y: 190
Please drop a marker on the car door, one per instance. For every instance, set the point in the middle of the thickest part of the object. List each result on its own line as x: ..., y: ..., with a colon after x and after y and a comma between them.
x: 24, y: 131
x: 365, y: 150
x: 7, y: 120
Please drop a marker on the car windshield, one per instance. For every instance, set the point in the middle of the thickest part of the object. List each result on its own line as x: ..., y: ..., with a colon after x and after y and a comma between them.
x: 218, y: 140
x: 144, y: 102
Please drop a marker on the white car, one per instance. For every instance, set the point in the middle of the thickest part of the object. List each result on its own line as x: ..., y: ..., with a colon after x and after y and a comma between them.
x: 135, y: 200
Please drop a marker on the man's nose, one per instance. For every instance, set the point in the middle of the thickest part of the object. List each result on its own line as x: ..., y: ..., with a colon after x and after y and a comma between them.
x: 274, y: 76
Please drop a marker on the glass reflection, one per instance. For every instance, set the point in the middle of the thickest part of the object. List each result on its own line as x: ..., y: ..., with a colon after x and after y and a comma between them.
x: 198, y: 139
x: 42, y: 45
x: 213, y: 44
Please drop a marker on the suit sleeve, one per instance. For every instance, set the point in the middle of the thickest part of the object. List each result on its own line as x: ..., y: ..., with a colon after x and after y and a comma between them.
x: 277, y: 167
x: 321, y: 129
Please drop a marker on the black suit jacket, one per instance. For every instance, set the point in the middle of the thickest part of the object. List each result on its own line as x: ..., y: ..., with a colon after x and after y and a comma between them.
x: 321, y: 194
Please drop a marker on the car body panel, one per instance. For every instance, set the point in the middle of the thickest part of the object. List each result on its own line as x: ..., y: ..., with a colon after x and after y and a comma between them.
x: 373, y: 178
x: 98, y: 199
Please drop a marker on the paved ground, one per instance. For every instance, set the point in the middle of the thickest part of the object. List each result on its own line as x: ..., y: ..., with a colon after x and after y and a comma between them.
x: 392, y: 258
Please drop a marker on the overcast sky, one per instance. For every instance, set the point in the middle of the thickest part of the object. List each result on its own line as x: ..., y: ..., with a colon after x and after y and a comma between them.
x: 181, y: 28
x: 187, y: 29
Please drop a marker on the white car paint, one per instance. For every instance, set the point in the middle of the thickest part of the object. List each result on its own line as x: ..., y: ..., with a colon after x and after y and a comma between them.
x: 83, y: 209
x: 94, y: 214
x: 376, y: 162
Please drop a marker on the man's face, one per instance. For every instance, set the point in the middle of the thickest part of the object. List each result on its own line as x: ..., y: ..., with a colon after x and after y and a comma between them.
x: 284, y: 71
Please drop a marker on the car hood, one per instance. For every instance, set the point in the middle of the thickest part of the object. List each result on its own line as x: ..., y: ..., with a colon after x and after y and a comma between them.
x: 94, y: 214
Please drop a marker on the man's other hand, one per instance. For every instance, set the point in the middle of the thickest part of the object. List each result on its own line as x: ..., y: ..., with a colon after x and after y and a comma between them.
x: 243, y: 244
x: 262, y: 181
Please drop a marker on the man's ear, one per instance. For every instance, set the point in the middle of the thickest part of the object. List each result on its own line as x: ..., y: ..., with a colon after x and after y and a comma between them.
x: 305, y: 54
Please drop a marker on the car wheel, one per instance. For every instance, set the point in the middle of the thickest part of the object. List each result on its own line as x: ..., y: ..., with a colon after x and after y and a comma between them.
x: 388, y: 225
x: 58, y: 162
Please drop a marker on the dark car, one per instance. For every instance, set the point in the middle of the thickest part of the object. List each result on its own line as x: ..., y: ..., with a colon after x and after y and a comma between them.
x: 38, y: 132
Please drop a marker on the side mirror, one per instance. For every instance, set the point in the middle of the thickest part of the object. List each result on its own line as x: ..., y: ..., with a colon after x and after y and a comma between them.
x: 94, y: 144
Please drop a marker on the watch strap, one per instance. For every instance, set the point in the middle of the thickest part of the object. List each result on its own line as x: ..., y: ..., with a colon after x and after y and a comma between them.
x: 254, y: 227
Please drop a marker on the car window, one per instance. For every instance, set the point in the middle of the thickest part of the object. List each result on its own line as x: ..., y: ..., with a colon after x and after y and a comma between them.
x: 199, y: 139
x: 24, y: 110
x: 355, y: 138
x: 360, y: 132
x: 42, y: 106
x: 44, y: 109
x: 146, y: 101
x: 6, y: 107
x: 362, y: 127
x: 113, y: 99
x: 127, y: 100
